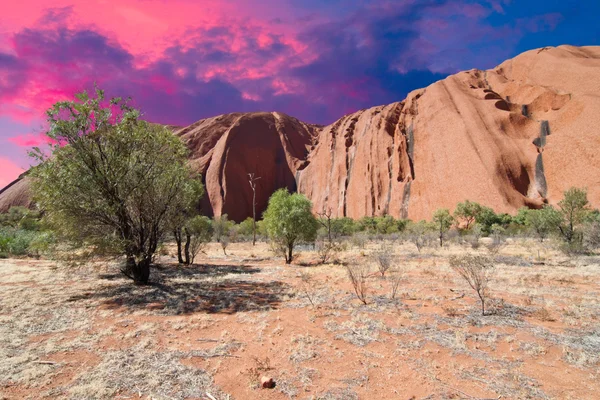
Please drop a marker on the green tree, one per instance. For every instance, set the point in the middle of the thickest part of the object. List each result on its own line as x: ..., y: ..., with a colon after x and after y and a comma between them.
x: 543, y: 221
x: 486, y: 218
x: 199, y: 230
x: 113, y: 181
x: 443, y: 221
x: 574, y: 209
x: 289, y: 220
x: 467, y: 212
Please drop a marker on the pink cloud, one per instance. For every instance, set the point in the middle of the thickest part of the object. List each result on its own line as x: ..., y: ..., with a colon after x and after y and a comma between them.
x: 30, y: 140
x: 9, y: 171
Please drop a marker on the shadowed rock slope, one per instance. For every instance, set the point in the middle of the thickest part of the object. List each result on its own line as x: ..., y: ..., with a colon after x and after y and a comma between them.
x: 517, y: 135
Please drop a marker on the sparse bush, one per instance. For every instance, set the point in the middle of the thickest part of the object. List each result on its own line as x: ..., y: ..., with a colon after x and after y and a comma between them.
x: 498, y: 239
x: 395, y: 280
x: 477, y: 271
x: 420, y: 234
x: 308, y: 287
x: 383, y: 258
x: 359, y: 240
x: 591, y: 233
x: 328, y: 250
x: 221, y: 226
x: 200, y: 232
x: 225, y: 240
x: 358, y: 275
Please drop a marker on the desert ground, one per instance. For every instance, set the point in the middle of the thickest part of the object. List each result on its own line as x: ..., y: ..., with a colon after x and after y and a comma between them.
x: 212, y: 330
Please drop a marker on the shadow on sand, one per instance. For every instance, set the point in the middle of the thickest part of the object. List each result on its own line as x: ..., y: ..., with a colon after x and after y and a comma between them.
x: 205, y: 288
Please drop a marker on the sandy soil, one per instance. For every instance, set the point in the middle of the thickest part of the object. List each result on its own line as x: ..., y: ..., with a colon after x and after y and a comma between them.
x: 210, y: 331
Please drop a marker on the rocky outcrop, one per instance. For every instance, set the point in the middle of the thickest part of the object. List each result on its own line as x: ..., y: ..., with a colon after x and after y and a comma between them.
x: 225, y: 149
x: 517, y: 135
x: 476, y: 135
x: 16, y: 194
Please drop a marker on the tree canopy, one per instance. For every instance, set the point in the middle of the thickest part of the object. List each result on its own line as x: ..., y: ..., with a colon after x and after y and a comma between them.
x: 113, y: 181
x: 289, y: 220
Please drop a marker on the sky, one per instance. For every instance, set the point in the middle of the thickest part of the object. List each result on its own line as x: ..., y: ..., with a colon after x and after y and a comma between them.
x: 183, y: 60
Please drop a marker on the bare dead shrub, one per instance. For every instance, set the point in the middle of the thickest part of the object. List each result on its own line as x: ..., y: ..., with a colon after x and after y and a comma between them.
x: 307, y: 287
x: 395, y: 280
x: 359, y: 240
x: 328, y: 251
x: 383, y: 257
x: 358, y: 274
x: 477, y: 271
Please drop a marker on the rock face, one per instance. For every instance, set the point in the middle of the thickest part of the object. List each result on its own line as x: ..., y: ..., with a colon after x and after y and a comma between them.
x: 225, y: 149
x: 517, y: 135
x: 15, y: 194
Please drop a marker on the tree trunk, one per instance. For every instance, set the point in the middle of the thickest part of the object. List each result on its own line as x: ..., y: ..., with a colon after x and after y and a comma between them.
x: 141, y: 272
x: 177, y: 234
x: 288, y: 259
x: 188, y: 239
x: 253, y: 216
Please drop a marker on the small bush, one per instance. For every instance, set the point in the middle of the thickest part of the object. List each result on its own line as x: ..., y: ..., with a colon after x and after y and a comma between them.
x: 383, y: 257
x: 328, y: 251
x: 477, y: 271
x: 358, y: 275
x: 395, y: 280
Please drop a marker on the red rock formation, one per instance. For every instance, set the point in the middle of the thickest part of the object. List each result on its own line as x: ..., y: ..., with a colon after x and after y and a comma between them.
x: 466, y: 137
x: 477, y: 135
x: 225, y: 149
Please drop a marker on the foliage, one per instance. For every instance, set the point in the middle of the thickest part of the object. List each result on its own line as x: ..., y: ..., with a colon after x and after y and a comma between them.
x: 543, y: 221
x: 467, y: 213
x: 21, y: 218
x: 574, y: 209
x: 381, y: 225
x: 442, y: 221
x: 113, y: 181
x: 341, y: 227
x: 200, y: 232
x: 486, y: 218
x: 221, y: 227
x: 419, y: 233
x: 477, y: 271
x: 245, y: 228
x: 289, y: 220
x: 19, y: 242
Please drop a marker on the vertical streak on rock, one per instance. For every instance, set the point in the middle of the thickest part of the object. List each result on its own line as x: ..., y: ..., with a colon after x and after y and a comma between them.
x: 541, y: 185
x: 540, y: 177
x: 405, y: 200
x: 411, y: 149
